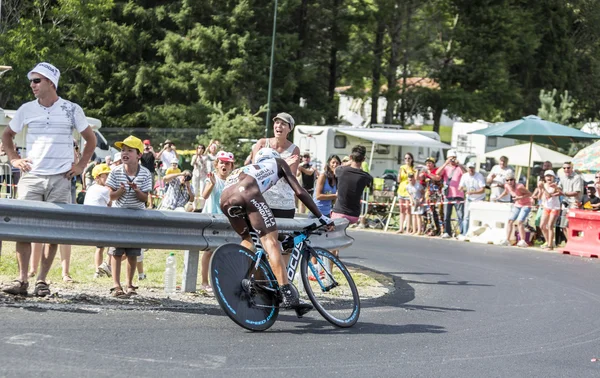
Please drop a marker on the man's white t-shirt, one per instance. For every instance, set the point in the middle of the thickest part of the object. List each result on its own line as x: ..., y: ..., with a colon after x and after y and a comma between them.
x: 49, y: 134
x: 97, y: 195
x: 473, y: 183
x: 167, y: 157
x: 497, y: 184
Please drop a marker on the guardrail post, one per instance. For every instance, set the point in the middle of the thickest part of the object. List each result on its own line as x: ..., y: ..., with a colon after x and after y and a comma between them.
x: 190, y: 270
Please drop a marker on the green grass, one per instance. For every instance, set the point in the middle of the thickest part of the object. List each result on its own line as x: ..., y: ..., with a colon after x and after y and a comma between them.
x: 445, y: 132
x: 82, y: 267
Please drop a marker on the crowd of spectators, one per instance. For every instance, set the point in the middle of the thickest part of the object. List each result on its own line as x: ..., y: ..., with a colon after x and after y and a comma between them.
x: 429, y: 197
x: 438, y: 199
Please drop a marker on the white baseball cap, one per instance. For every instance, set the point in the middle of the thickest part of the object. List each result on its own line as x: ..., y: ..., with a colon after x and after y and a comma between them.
x: 450, y: 153
x: 48, y: 71
x: 117, y: 157
x: 550, y: 172
x: 470, y: 164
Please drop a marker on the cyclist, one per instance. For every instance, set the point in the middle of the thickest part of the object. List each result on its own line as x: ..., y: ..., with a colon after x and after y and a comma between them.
x: 244, y: 188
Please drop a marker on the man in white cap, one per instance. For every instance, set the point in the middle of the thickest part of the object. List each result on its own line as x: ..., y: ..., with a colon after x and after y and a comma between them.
x: 473, y: 185
x: 50, y: 163
x: 450, y: 174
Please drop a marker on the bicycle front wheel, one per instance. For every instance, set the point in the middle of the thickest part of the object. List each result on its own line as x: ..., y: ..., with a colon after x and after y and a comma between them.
x: 247, y: 295
x: 330, y: 287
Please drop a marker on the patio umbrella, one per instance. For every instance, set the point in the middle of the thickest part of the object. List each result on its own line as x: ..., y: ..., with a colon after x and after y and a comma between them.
x: 588, y: 159
x: 534, y: 129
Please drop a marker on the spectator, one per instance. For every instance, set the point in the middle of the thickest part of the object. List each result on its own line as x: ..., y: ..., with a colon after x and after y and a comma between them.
x: 546, y: 166
x: 280, y: 197
x: 179, y: 191
x: 550, y: 194
x: 5, y: 171
x: 211, y: 154
x: 591, y: 199
x: 108, y: 160
x: 148, y: 159
x: 520, y: 209
x: 351, y: 182
x: 173, y: 169
x: 326, y: 188
x: 571, y: 185
x: 497, y: 178
x: 99, y: 195
x: 415, y: 193
x: 199, y: 174
x: 215, y: 182
x: 403, y: 197
x: 129, y: 185
x: 596, y: 185
x: 49, y: 165
x: 308, y: 174
x: 88, y: 177
x: 450, y: 174
x: 433, y: 196
x: 167, y: 155
x: 473, y: 185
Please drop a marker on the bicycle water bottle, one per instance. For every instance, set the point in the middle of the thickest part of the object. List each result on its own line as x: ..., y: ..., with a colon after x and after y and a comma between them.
x: 170, y: 274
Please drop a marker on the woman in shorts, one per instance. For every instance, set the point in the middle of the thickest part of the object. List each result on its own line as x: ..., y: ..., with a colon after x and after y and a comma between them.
x: 550, y: 196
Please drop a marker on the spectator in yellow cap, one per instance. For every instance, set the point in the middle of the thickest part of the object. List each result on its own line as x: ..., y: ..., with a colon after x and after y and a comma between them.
x: 129, y: 185
x: 98, y: 194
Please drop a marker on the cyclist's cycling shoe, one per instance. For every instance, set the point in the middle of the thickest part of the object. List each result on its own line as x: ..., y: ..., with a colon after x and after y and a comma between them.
x: 291, y: 300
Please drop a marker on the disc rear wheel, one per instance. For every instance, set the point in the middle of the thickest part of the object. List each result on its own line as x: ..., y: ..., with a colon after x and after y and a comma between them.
x: 246, y: 295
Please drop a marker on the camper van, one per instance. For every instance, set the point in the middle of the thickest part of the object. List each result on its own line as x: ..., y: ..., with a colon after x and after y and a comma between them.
x: 386, y: 145
x: 102, y: 147
x: 471, y: 146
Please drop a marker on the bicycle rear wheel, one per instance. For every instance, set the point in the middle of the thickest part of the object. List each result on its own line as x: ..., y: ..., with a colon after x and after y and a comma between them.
x: 251, y: 306
x: 330, y: 287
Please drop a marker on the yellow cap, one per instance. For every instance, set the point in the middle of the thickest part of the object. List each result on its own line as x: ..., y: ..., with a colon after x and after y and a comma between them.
x: 132, y: 142
x: 172, y: 170
x: 100, y: 169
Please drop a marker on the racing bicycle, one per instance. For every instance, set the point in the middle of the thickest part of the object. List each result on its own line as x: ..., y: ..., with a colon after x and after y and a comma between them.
x: 248, y: 292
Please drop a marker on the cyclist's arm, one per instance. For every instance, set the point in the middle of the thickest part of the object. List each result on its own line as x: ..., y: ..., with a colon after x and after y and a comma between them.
x: 286, y: 173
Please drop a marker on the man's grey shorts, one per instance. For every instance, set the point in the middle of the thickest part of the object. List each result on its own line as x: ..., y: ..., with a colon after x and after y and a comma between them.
x: 118, y: 251
x: 50, y: 188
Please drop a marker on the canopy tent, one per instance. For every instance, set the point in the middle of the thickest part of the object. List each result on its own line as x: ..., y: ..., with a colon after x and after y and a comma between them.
x: 534, y: 129
x: 394, y: 138
x: 519, y: 155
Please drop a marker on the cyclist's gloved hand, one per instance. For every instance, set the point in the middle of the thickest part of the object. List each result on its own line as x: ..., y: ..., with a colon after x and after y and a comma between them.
x: 325, y: 220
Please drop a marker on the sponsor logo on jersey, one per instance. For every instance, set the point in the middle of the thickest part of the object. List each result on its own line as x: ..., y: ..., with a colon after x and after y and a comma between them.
x: 265, y: 212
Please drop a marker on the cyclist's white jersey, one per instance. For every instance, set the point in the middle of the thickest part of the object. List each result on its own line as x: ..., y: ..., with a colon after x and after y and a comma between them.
x: 265, y: 174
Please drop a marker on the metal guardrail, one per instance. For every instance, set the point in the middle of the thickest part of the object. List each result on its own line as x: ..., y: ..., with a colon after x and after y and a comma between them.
x: 31, y: 221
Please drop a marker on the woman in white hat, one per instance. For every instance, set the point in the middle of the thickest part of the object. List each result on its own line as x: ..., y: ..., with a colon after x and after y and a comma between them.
x: 550, y: 196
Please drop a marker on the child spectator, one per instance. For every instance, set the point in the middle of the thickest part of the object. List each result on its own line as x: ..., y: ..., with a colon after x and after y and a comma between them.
x: 415, y: 192
x: 403, y: 197
x: 129, y: 185
x: 174, y: 168
x: 99, y: 195
x: 520, y: 210
x: 550, y: 194
x: 215, y: 182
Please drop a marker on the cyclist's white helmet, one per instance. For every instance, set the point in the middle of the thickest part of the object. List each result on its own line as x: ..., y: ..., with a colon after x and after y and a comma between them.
x: 266, y: 153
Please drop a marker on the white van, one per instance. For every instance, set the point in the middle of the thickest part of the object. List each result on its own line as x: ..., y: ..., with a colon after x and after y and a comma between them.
x: 386, y: 145
x: 102, y: 148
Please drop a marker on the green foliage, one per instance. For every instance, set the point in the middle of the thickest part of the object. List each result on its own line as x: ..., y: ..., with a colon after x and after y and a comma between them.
x: 550, y: 112
x: 154, y: 65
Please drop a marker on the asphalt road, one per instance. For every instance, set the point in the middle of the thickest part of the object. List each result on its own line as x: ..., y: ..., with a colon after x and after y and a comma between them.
x: 459, y: 310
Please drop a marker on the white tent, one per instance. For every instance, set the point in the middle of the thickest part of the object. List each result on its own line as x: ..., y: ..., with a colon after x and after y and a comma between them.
x: 519, y: 155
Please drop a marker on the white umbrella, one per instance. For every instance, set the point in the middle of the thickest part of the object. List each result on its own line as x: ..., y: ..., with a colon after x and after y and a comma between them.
x: 518, y: 155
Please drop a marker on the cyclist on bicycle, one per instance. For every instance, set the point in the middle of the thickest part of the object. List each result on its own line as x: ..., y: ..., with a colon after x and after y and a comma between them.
x: 244, y: 188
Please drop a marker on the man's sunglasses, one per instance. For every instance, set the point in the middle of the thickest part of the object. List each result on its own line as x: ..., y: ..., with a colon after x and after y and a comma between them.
x: 37, y: 80
x: 510, y: 179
